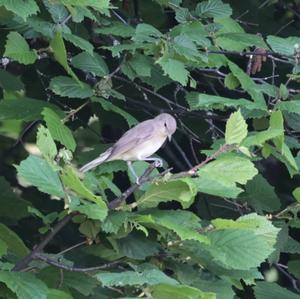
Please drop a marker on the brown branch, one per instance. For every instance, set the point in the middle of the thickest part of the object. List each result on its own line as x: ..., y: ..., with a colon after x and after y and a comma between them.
x: 56, y: 263
x: 142, y: 180
x: 23, y: 263
x: 224, y: 148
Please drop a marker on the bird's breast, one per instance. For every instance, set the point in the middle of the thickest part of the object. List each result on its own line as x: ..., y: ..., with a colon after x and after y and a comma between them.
x: 145, y: 149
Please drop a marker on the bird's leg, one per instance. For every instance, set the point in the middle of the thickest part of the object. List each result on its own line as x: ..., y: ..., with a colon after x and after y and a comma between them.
x: 158, y: 162
x: 137, y: 179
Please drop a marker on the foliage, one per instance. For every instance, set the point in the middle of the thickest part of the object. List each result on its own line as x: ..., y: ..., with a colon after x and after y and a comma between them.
x: 222, y: 222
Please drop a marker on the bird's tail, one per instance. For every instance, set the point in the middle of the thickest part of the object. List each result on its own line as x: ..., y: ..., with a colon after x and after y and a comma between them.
x: 102, y: 158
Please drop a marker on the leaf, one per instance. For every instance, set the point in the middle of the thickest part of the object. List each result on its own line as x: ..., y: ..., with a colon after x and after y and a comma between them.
x: 234, y: 41
x: 184, y: 223
x: 46, y: 143
x: 182, y: 190
x: 117, y: 29
x: 184, y: 46
x: 231, y: 82
x: 40, y: 174
x: 146, y: 33
x: 267, y: 290
x: 285, y: 46
x: 60, y: 54
x: 137, y: 66
x: 137, y: 246
x: 213, y: 9
x: 10, y: 82
x: 24, y: 285
x: 14, y: 244
x: 248, y: 85
x: 229, y: 169
x: 131, y: 278
x: 17, y: 48
x: 261, y: 195
x: 3, y: 248
x: 24, y: 109
x: 71, y: 180
x: 79, y: 42
x: 217, y: 187
x: 289, y: 106
x: 167, y: 291
x: 58, y: 130
x: 174, y: 69
x: 55, y: 294
x: 12, y: 202
x: 199, y: 101
x: 242, y: 244
x: 114, y: 221
x: 108, y: 106
x: 236, y: 128
x: 94, y: 64
x: 296, y: 194
x: 22, y: 8
x: 67, y: 87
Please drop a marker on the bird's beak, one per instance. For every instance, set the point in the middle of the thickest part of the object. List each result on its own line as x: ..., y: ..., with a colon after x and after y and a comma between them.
x: 169, y: 137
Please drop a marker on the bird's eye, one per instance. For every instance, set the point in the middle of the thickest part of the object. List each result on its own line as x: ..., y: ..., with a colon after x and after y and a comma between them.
x: 165, y: 124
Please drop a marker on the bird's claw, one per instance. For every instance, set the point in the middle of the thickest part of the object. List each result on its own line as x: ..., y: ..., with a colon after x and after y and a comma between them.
x: 158, y: 163
x: 137, y: 181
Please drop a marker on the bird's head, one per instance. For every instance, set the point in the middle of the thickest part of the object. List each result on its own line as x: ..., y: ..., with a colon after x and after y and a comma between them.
x: 168, y: 124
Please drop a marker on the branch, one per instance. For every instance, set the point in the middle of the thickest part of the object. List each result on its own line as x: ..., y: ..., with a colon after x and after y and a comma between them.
x: 224, y: 148
x: 56, y: 263
x: 142, y: 180
x: 21, y: 264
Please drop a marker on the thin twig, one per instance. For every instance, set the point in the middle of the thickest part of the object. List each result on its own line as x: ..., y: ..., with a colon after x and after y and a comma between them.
x: 21, y: 264
x: 53, y: 262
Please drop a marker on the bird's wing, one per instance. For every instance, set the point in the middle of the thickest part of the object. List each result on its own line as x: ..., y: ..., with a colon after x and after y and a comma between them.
x: 133, y: 137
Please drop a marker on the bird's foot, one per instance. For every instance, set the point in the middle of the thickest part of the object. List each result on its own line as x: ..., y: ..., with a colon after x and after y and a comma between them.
x: 158, y: 163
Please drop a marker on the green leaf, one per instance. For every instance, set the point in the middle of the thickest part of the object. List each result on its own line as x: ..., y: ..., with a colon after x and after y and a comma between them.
x: 242, y: 244
x: 184, y: 223
x: 46, y: 143
x: 72, y: 181
x: 22, y: 8
x: 3, y: 248
x: 60, y: 54
x: 267, y: 290
x: 131, y: 278
x: 248, y: 85
x: 117, y: 29
x: 283, y: 92
x: 58, y: 130
x: 146, y: 33
x: 12, y: 202
x: 174, y: 69
x: 236, y: 128
x: 261, y: 195
x: 10, y: 82
x: 229, y: 168
x: 137, y: 246
x: 23, y: 109
x: 79, y: 42
x: 233, y: 41
x: 289, y: 106
x: 285, y: 46
x: 55, y: 294
x: 184, y: 46
x: 182, y: 190
x: 231, y: 82
x: 40, y: 174
x: 137, y: 66
x: 14, y: 243
x: 167, y: 291
x: 296, y: 194
x: 67, y: 87
x: 199, y: 101
x: 88, y: 63
x: 217, y: 187
x: 213, y: 9
x: 108, y: 106
x: 294, y: 268
x: 24, y: 285
x: 17, y: 48
x: 114, y: 221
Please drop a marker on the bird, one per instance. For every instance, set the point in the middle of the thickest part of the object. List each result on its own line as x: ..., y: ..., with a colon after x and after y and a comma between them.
x: 138, y: 143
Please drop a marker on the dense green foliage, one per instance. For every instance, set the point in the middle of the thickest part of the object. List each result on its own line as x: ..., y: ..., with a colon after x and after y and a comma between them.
x: 222, y: 222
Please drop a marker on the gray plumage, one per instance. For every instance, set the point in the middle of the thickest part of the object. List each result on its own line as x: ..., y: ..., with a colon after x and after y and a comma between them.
x: 139, y: 142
